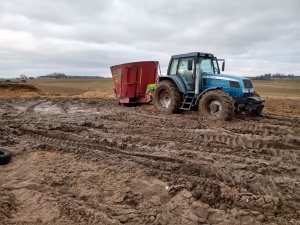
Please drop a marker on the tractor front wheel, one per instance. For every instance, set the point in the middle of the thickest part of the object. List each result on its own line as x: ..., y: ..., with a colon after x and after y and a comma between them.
x: 217, y: 104
x: 167, y: 97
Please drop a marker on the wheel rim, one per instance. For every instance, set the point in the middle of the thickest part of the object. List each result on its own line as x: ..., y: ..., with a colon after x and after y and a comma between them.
x: 165, y: 99
x: 215, y: 108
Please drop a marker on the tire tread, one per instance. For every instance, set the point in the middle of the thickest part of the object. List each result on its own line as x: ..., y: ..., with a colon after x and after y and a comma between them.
x: 226, y: 101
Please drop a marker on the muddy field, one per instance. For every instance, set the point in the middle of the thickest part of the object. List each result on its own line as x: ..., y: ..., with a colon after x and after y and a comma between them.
x: 90, y: 161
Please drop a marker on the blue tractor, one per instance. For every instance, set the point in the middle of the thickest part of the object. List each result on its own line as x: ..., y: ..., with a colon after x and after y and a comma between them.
x: 194, y: 79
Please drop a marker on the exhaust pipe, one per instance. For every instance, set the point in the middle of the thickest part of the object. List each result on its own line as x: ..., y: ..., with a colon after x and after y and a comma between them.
x: 197, y: 83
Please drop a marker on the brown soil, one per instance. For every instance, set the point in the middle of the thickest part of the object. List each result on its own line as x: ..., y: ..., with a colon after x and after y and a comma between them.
x: 89, y: 161
x: 97, y: 94
x: 17, y: 89
x: 284, y: 106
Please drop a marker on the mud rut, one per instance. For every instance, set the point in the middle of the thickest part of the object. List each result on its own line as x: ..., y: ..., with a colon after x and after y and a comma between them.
x: 92, y: 162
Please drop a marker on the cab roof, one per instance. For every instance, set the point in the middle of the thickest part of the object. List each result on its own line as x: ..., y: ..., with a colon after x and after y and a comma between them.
x: 192, y: 54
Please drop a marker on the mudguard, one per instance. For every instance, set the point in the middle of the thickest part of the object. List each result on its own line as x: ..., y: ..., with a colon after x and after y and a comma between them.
x: 177, y: 80
x: 209, y: 89
x: 206, y: 90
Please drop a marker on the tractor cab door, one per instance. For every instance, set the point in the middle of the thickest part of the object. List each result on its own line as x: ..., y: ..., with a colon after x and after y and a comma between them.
x: 185, y: 69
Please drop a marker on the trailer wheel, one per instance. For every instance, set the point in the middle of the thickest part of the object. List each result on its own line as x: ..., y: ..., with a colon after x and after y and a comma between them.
x: 167, y: 97
x: 216, y: 104
x: 5, y: 156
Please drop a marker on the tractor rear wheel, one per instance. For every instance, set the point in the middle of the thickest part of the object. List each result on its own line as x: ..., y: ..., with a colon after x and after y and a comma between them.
x: 167, y: 97
x: 217, y: 104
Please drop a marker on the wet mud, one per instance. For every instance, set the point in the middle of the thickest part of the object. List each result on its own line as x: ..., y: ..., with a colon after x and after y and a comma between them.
x: 90, y: 161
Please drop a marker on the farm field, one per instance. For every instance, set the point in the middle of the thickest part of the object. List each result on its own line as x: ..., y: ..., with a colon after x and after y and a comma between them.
x: 72, y: 86
x: 275, y: 88
x: 282, y: 96
x: 289, y: 88
x: 79, y: 158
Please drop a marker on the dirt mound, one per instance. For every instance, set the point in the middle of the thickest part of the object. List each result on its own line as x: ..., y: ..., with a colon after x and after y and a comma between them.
x: 14, y: 89
x: 17, y: 86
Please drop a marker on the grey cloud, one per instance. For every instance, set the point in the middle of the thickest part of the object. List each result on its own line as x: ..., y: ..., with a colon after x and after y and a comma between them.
x: 86, y: 37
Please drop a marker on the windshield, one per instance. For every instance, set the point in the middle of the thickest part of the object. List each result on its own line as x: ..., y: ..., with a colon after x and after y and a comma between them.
x: 209, y: 66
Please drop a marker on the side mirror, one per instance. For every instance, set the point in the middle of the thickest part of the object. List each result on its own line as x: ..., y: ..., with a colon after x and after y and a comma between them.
x: 190, y: 64
x: 223, y: 66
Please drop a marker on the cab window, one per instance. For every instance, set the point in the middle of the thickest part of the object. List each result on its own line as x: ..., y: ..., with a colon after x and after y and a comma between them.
x: 183, y: 67
x: 207, y: 66
x: 174, y: 67
x: 186, y: 74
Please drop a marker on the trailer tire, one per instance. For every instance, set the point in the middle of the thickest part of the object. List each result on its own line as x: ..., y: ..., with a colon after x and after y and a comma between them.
x: 5, y: 156
x: 167, y: 97
x: 216, y: 104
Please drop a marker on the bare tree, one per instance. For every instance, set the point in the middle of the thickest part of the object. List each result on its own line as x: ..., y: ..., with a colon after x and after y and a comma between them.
x: 23, y: 77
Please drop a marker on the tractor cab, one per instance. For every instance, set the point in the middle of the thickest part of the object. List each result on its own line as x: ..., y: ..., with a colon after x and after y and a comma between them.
x: 184, y: 66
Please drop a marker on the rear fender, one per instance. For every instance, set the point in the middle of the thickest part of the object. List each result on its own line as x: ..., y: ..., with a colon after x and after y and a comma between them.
x: 180, y: 85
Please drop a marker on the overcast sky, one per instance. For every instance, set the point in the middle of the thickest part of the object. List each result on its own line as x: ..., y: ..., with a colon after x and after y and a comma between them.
x: 86, y: 37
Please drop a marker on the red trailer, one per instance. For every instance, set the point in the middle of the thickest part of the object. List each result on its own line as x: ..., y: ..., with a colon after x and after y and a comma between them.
x: 134, y: 82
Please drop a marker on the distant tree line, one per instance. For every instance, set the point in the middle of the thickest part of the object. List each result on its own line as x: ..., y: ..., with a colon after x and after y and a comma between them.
x: 54, y: 76
x: 269, y: 76
x: 57, y: 75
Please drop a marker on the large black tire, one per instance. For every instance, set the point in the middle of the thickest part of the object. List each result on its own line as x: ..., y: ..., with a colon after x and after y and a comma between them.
x: 216, y: 104
x: 167, y: 97
x: 5, y: 156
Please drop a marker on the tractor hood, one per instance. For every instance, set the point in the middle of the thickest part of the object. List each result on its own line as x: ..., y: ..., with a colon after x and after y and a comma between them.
x: 223, y: 77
